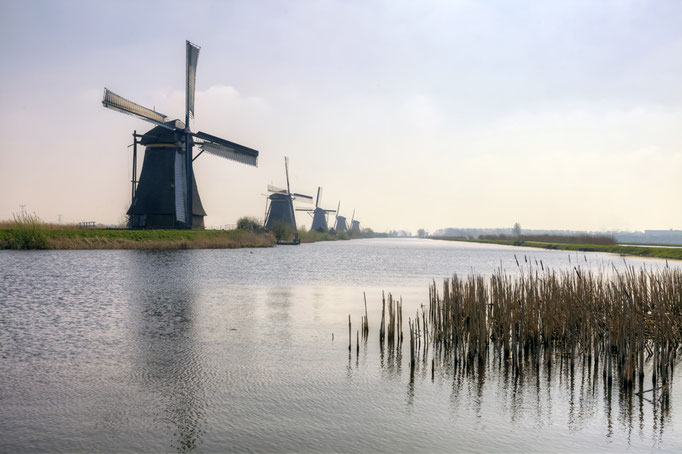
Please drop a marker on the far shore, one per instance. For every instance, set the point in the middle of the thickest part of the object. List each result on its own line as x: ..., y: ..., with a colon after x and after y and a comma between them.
x: 674, y: 253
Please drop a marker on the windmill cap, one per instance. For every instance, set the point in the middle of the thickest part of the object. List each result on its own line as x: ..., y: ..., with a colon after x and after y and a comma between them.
x: 159, y: 134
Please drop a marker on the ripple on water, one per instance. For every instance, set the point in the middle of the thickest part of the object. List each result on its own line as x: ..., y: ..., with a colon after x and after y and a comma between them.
x: 232, y: 350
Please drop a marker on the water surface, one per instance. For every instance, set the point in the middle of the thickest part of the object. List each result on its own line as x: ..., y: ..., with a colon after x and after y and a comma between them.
x: 232, y: 350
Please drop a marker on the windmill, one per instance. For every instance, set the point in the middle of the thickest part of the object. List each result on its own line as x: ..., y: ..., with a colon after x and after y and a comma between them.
x: 340, y: 224
x: 280, y: 211
x: 319, y: 214
x: 166, y: 194
x: 354, y: 225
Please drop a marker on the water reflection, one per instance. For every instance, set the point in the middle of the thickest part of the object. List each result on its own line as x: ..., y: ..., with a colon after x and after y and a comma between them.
x: 221, y: 350
x: 532, y: 388
x: 168, y: 362
x: 278, y: 303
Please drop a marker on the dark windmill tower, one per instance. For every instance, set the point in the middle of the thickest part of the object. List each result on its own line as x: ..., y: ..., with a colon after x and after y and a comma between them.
x: 166, y: 195
x: 280, y: 211
x: 319, y: 214
x: 340, y: 224
x: 354, y: 225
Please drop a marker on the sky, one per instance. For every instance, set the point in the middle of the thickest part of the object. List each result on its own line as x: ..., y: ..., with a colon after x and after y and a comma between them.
x: 556, y: 115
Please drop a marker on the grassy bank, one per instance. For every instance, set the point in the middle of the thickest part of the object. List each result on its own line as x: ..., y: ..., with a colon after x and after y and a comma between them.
x: 639, y: 251
x: 314, y: 236
x: 44, y: 236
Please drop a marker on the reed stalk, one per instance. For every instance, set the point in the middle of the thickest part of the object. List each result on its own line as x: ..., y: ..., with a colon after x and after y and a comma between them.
x: 626, y: 323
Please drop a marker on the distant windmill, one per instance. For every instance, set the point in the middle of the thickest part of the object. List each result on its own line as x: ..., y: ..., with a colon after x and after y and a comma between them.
x: 166, y: 195
x: 354, y: 225
x: 319, y: 214
x: 340, y: 223
x: 281, y: 205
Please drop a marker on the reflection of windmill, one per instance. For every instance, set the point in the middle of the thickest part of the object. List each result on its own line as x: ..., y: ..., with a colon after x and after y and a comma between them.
x: 167, y: 196
x: 281, y: 207
x: 319, y: 214
x: 340, y: 224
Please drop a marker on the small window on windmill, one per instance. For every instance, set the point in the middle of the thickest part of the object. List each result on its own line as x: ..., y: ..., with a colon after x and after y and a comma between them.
x: 143, y: 220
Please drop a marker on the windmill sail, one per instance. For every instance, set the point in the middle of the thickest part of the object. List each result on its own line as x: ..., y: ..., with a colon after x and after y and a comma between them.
x: 305, y: 198
x: 229, y: 153
x: 272, y: 188
x: 192, y: 61
x: 115, y: 102
x: 226, y: 149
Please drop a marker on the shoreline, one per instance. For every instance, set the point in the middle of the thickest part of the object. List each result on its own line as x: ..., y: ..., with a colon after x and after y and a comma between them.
x: 671, y: 253
x: 85, y: 239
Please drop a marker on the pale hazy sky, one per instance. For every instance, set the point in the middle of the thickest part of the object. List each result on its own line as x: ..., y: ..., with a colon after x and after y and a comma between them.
x: 418, y: 114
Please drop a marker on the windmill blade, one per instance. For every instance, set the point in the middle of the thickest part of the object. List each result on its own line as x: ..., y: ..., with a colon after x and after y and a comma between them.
x: 286, y: 169
x: 305, y: 209
x: 115, y: 102
x: 192, y: 60
x: 228, y: 153
x: 226, y: 149
x: 305, y: 198
x: 329, y: 211
x: 319, y: 194
x: 275, y: 189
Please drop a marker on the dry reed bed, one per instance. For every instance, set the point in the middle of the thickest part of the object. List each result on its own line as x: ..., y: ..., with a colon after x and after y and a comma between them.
x: 617, y: 322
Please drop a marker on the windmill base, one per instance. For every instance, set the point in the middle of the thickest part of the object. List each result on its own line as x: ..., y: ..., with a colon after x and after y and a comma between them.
x: 295, y: 242
x: 161, y: 221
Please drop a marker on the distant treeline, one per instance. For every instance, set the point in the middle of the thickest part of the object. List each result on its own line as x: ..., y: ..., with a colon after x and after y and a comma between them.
x: 548, y: 238
x: 668, y: 237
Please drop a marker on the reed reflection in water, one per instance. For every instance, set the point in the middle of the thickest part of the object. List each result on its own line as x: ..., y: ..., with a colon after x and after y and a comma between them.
x: 537, y: 334
x: 217, y: 350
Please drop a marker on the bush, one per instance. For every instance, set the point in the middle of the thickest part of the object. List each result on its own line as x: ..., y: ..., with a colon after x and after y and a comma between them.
x: 250, y: 224
x: 282, y: 231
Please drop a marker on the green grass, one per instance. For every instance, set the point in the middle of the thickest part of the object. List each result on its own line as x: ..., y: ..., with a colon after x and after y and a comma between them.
x: 314, y: 236
x: 16, y: 237
x: 639, y: 251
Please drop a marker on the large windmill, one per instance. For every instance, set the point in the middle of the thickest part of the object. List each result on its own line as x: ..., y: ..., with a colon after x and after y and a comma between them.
x: 319, y: 214
x: 340, y: 224
x: 281, y: 205
x: 166, y: 195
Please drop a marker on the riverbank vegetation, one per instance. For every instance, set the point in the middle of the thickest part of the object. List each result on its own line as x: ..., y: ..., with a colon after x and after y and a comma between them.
x: 573, y: 243
x: 28, y: 232
x: 620, y: 325
x: 312, y: 236
x: 564, y: 239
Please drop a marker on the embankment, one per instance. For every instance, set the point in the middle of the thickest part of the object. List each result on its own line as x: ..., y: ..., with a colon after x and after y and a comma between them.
x: 639, y: 251
x: 51, y: 238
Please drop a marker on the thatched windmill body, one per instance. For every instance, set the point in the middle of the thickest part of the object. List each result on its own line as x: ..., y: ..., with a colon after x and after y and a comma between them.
x: 354, y: 224
x: 340, y: 222
x: 166, y: 195
x: 280, y: 211
x: 319, y: 214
